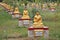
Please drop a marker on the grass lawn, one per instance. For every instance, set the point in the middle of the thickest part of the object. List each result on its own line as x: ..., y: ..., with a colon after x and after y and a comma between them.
x: 10, y: 26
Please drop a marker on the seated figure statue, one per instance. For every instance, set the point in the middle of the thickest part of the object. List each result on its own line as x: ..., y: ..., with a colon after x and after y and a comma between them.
x: 25, y: 14
x: 37, y: 21
x: 16, y: 11
x: 11, y: 8
x: 52, y: 5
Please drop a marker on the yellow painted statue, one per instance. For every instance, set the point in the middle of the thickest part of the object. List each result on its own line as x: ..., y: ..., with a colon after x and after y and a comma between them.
x: 25, y: 14
x: 8, y: 7
x: 37, y: 21
x: 16, y: 11
x: 11, y: 9
x: 52, y: 5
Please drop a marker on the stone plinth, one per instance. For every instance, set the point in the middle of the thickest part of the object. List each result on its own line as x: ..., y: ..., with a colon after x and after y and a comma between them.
x: 25, y: 22
x: 37, y: 32
x: 16, y: 15
x: 10, y: 12
x: 52, y: 9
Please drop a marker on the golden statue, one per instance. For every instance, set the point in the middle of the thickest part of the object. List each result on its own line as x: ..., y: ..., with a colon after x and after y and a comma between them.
x: 37, y: 21
x: 23, y: 4
x: 55, y: 5
x: 52, y: 5
x: 44, y: 6
x: 11, y: 9
x: 37, y: 5
x: 4, y: 4
x: 32, y: 4
x: 16, y: 11
x: 8, y: 7
x: 25, y: 14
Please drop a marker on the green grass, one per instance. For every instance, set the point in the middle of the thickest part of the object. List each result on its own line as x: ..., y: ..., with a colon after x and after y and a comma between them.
x: 10, y: 26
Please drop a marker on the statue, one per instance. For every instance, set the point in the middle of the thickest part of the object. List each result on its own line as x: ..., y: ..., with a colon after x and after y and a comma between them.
x: 8, y: 7
x: 11, y: 9
x: 37, y: 5
x: 33, y: 5
x: 16, y: 11
x: 25, y: 14
x: 37, y: 21
x: 22, y: 4
x: 52, y: 5
x: 25, y: 19
x: 44, y: 6
x: 55, y: 4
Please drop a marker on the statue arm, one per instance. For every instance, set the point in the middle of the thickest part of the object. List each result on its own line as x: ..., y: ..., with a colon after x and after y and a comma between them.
x: 39, y: 19
x: 35, y: 19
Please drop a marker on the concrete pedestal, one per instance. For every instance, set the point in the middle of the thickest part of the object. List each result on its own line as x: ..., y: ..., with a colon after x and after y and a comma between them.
x: 10, y: 12
x: 52, y: 9
x: 44, y: 9
x: 16, y: 16
x: 37, y: 32
x: 25, y: 22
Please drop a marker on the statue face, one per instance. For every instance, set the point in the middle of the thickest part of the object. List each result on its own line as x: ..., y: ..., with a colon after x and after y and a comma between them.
x: 16, y: 9
x: 37, y: 13
x: 25, y: 12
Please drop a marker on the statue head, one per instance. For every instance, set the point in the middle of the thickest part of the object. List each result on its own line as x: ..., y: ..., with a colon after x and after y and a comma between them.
x: 16, y: 8
x: 37, y: 13
x: 25, y: 12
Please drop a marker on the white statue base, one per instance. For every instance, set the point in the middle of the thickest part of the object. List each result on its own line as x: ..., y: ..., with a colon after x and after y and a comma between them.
x: 37, y: 32
x: 25, y: 22
x: 52, y: 9
x: 44, y: 9
x: 10, y: 12
x: 16, y: 16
